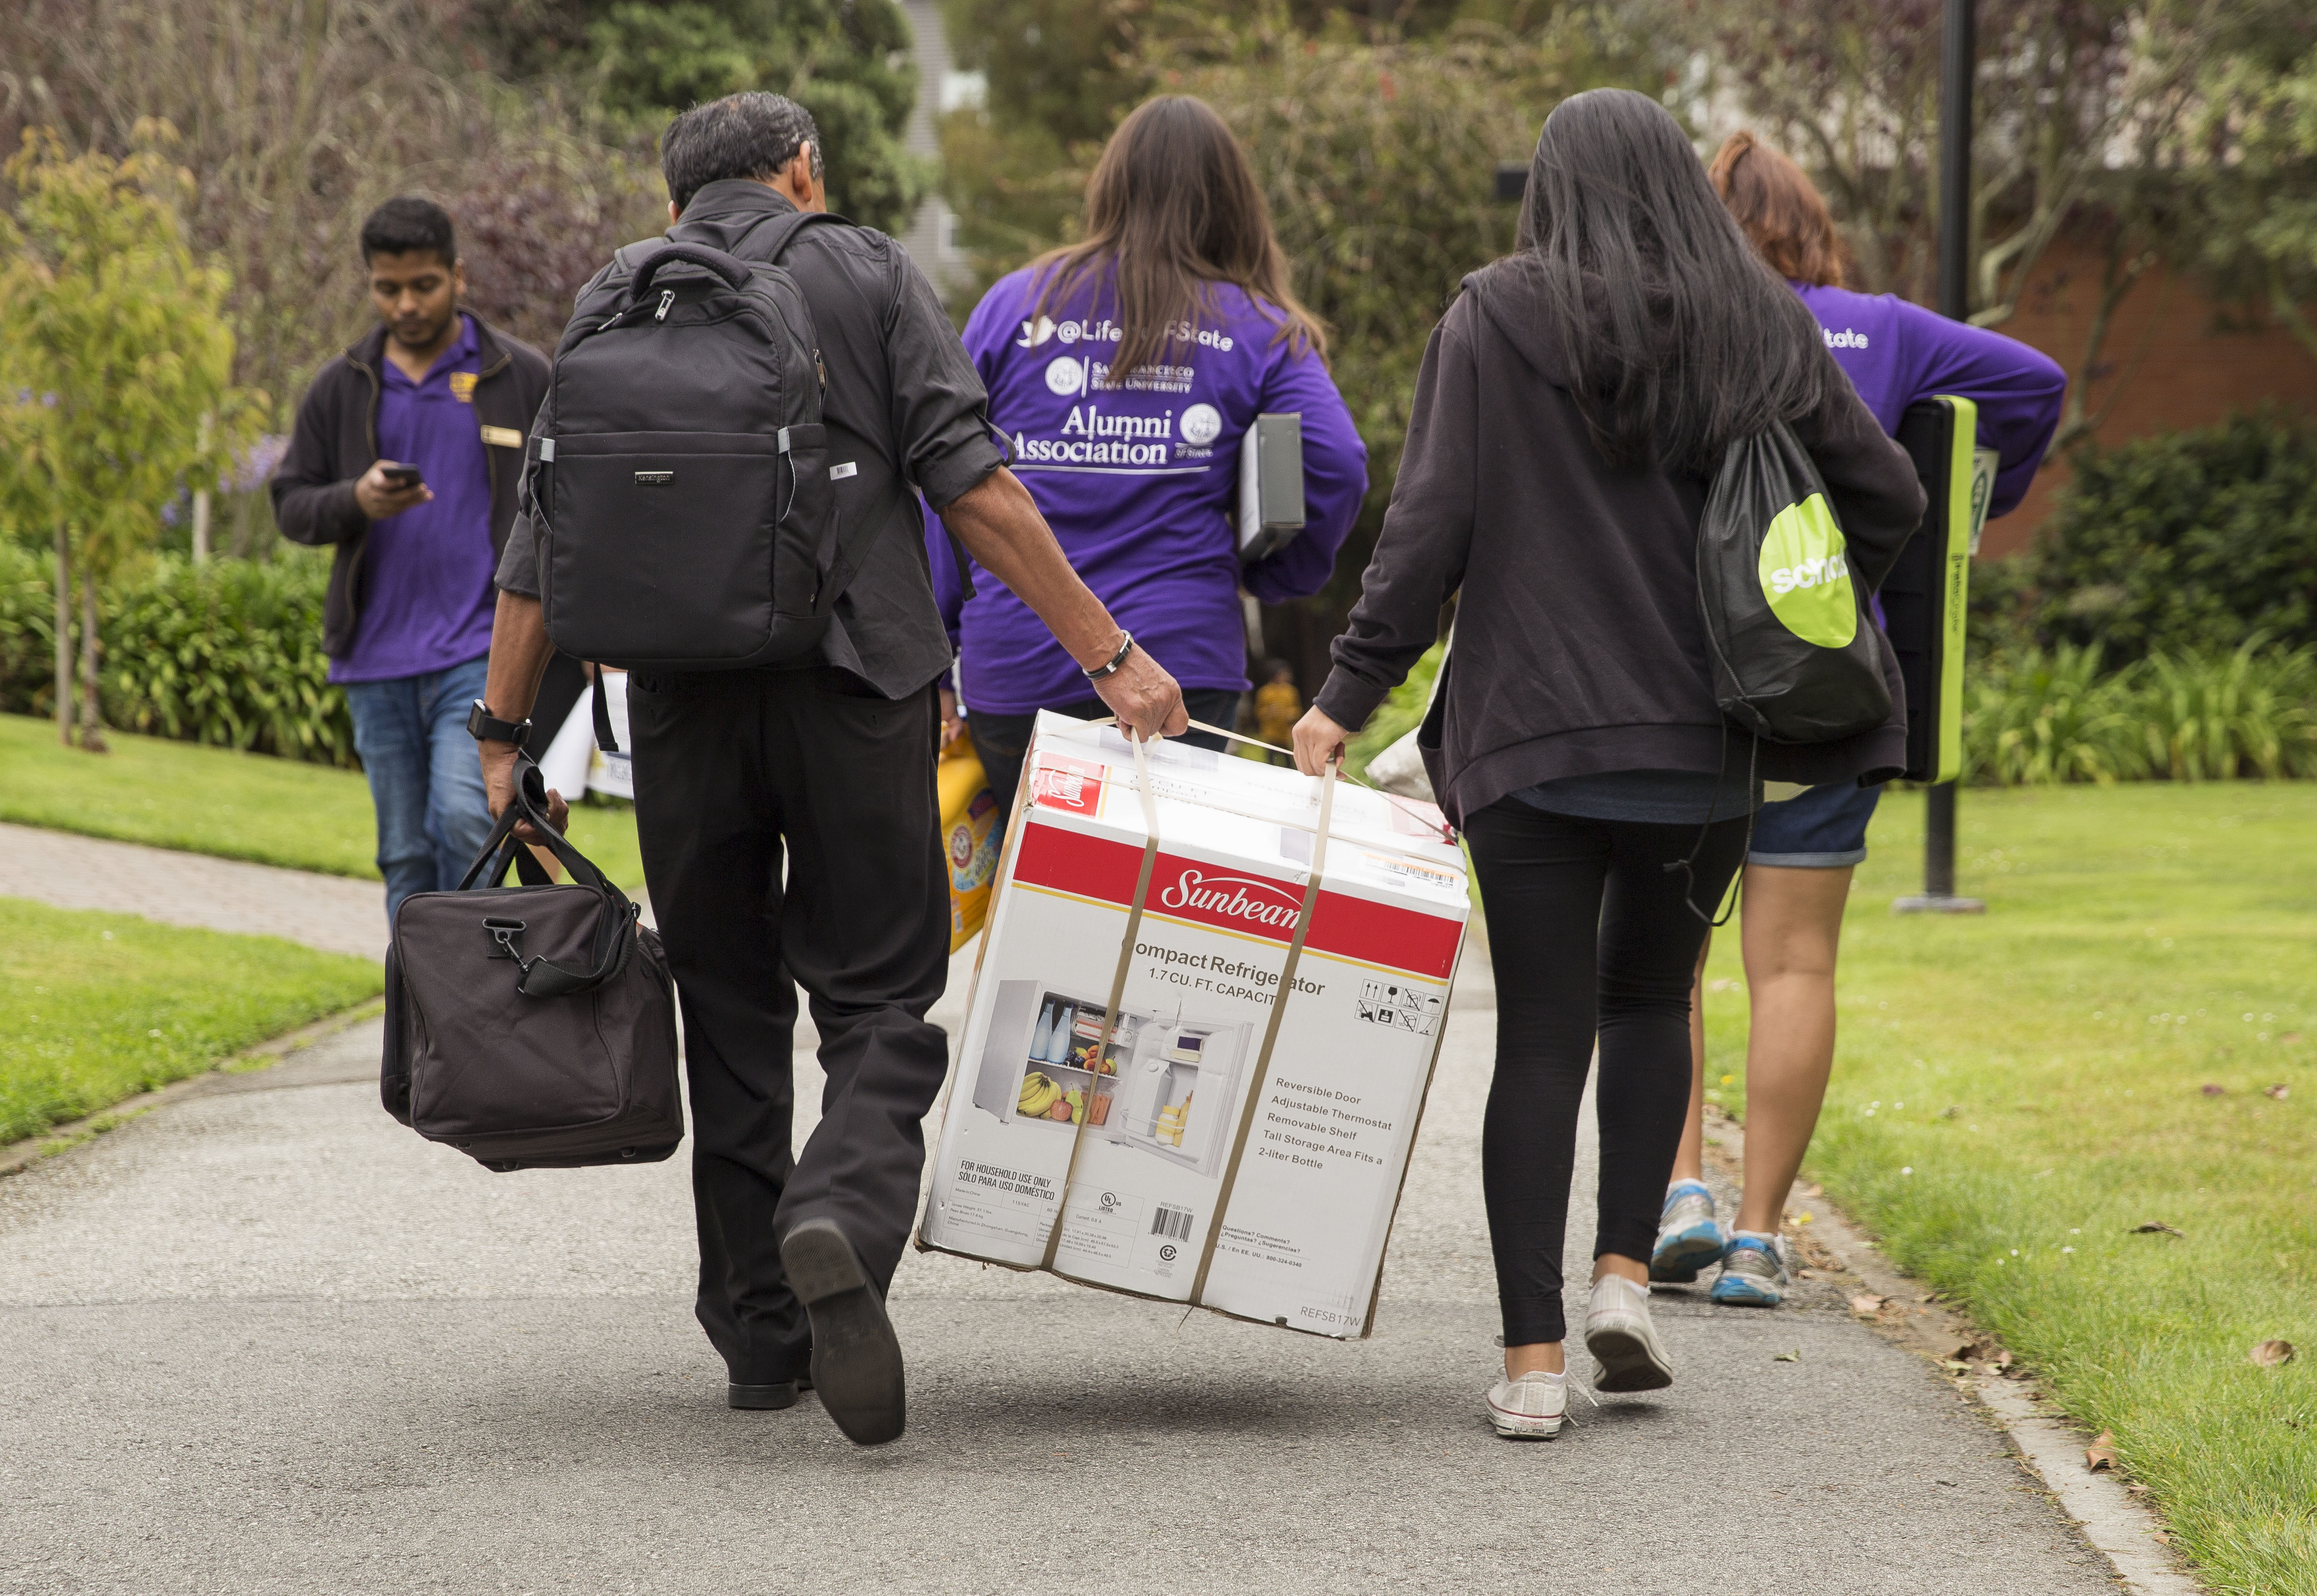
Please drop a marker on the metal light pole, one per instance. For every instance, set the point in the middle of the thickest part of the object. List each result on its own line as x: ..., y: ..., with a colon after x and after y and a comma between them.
x: 1958, y: 55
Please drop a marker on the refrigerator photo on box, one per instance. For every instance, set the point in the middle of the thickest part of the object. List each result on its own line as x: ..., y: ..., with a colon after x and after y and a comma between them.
x: 1039, y: 1061
x: 1166, y: 1085
x: 1176, y: 1091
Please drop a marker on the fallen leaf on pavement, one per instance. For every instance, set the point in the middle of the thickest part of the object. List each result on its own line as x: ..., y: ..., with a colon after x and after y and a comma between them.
x: 1793, y: 1357
x: 1808, y: 1190
x: 2276, y: 1091
x: 1970, y: 1351
x: 2137, y: 1489
x: 2154, y: 1226
x: 2162, y: 1539
x: 2003, y: 1359
x: 2101, y: 1453
x: 1868, y: 1304
x: 2272, y: 1354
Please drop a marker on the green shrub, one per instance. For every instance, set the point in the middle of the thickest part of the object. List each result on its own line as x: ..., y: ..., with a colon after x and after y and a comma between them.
x: 228, y: 653
x: 2055, y: 715
x: 2047, y: 716
x: 1397, y: 715
x: 2187, y: 542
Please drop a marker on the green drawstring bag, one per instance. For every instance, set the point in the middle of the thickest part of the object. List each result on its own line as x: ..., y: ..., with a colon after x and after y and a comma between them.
x: 1796, y: 656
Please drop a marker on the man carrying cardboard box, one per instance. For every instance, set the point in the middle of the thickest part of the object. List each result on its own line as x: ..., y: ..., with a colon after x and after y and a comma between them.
x: 828, y: 767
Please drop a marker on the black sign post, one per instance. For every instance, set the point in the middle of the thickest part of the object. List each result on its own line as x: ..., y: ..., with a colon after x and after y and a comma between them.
x: 1958, y: 56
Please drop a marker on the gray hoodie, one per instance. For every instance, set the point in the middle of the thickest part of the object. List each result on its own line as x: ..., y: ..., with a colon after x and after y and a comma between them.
x: 1580, y: 647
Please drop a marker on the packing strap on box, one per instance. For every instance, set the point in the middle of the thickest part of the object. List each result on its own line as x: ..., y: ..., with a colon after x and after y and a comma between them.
x: 1271, y: 1029
x: 1447, y: 832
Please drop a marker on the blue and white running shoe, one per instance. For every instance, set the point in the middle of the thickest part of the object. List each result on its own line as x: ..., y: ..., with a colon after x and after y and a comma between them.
x: 1688, y: 1235
x: 1753, y: 1271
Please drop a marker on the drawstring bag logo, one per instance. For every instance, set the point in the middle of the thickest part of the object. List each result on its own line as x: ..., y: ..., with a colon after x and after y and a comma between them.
x: 1794, y: 660
x: 1805, y: 576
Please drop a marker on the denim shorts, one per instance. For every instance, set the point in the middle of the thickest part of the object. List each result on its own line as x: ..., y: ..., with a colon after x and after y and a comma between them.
x: 1824, y: 829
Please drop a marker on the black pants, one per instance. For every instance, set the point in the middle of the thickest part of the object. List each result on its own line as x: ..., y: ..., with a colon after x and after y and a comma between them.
x: 1588, y: 933
x: 1002, y: 741
x: 729, y: 767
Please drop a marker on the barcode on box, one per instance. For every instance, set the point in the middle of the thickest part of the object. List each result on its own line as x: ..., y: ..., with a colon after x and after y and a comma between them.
x: 1174, y: 1223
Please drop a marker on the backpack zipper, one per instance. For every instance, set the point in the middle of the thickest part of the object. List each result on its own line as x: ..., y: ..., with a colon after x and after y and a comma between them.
x: 667, y: 299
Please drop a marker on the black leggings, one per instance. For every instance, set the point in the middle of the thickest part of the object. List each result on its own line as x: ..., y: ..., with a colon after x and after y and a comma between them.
x: 1587, y: 931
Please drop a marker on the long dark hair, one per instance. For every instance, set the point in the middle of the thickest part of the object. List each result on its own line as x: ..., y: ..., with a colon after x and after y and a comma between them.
x: 1677, y: 337
x: 1173, y: 209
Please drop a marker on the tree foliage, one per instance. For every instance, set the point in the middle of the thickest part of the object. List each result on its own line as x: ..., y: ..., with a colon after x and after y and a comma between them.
x: 846, y: 61
x: 2160, y: 132
x: 2253, y: 149
x: 114, y: 347
x: 299, y: 116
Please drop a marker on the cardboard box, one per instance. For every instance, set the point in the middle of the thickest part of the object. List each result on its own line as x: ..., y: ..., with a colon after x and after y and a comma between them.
x: 1131, y: 1074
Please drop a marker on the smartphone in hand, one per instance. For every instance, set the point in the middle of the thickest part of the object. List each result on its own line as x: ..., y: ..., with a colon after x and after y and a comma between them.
x: 401, y: 478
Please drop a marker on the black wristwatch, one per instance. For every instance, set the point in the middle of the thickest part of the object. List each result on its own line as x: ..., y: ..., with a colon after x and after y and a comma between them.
x: 485, y: 727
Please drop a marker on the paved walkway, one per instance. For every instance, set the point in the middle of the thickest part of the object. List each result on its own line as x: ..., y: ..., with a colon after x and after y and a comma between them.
x: 330, y: 912
x: 267, y: 1341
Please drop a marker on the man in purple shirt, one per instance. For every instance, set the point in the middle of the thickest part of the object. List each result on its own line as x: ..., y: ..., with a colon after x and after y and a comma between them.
x: 405, y: 459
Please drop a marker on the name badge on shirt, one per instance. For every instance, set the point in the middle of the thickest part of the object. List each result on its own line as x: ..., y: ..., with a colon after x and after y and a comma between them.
x: 504, y: 438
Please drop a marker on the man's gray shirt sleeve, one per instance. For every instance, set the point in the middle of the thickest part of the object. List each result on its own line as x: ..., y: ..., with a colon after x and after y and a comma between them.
x: 940, y: 407
x: 518, y: 570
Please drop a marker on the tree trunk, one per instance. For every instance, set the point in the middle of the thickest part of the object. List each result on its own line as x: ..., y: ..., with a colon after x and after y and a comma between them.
x: 202, y: 506
x: 92, y: 712
x: 64, y: 637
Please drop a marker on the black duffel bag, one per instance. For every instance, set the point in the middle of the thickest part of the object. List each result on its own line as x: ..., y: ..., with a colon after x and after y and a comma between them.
x: 532, y: 1026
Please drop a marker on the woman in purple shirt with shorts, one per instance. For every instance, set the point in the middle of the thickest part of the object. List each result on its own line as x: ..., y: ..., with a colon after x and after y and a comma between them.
x: 1123, y: 371
x: 1799, y: 865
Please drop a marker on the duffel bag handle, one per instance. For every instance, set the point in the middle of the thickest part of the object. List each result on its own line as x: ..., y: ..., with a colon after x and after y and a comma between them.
x: 734, y: 272
x: 541, y: 977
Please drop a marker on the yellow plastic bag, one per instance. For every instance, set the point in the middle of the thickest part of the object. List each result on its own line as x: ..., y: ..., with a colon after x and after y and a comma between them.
x: 969, y: 837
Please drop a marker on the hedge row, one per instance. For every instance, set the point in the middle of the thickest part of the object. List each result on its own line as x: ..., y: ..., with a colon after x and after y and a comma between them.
x: 2185, y: 544
x: 228, y: 653
x: 2060, y: 715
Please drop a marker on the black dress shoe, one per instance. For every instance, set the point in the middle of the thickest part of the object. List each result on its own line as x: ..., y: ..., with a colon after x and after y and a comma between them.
x: 781, y: 1393
x: 856, y: 1358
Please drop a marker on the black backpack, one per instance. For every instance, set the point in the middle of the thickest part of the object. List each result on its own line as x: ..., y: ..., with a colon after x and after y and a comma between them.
x: 677, y: 476
x: 1796, y: 656
x: 532, y: 1026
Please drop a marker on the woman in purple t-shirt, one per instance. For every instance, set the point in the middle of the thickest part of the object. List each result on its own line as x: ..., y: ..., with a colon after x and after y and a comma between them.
x: 1124, y: 370
x: 1799, y: 865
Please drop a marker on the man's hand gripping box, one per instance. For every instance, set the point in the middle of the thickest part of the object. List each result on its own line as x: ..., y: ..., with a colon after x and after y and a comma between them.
x: 1201, y: 1031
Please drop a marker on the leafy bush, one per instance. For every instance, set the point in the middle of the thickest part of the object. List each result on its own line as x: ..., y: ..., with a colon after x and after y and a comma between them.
x: 2187, y: 542
x: 2053, y: 715
x: 228, y: 654
x: 1397, y: 715
x: 2041, y: 715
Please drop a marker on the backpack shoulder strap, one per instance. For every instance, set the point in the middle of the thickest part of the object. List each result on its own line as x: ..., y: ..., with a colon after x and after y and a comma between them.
x: 784, y: 225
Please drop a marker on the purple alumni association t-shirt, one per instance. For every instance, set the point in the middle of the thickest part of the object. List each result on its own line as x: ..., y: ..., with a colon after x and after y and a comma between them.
x: 1137, y: 473
x: 427, y: 597
x: 1896, y: 353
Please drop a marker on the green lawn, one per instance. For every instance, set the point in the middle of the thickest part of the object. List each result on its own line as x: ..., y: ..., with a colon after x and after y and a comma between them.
x: 237, y: 806
x: 2014, y: 1093
x: 95, y: 1008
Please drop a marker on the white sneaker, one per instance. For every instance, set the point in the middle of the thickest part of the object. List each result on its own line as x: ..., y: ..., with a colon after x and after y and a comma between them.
x: 1530, y: 1408
x: 1621, y: 1337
